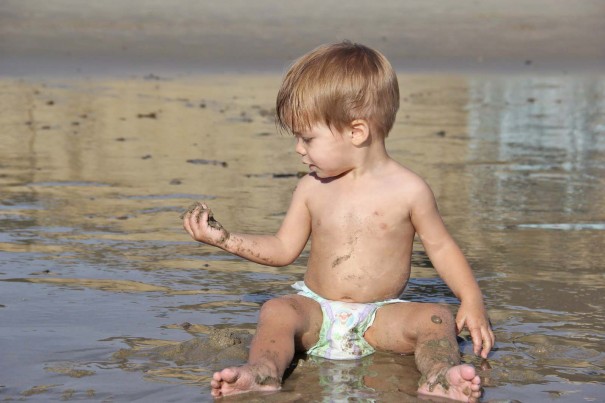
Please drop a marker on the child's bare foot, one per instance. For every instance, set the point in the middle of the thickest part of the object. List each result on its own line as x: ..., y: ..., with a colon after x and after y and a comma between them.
x: 457, y: 383
x: 247, y: 378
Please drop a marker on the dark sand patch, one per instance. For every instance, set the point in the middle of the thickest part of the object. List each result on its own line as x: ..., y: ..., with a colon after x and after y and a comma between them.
x: 218, y: 346
x: 69, y: 370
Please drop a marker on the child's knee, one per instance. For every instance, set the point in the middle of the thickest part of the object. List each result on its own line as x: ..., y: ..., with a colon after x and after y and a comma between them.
x: 439, y: 315
x: 281, y: 309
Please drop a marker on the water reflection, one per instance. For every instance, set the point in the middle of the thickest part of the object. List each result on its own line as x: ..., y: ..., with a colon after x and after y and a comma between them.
x: 543, y: 140
x: 537, y: 174
x: 91, y: 247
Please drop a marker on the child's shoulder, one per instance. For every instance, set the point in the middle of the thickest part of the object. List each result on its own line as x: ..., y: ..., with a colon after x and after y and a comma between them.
x: 307, y: 181
x: 408, y: 183
x: 306, y: 185
x: 405, y: 176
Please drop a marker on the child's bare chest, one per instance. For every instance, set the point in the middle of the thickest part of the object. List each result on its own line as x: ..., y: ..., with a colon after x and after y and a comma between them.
x: 359, y: 214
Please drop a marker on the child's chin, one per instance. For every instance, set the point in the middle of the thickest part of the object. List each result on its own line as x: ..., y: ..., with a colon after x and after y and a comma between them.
x: 323, y: 175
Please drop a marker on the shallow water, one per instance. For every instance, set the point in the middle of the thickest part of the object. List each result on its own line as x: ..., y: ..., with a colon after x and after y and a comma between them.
x: 104, y: 297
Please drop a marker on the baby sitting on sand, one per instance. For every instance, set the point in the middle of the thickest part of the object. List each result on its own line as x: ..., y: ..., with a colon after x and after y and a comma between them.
x: 362, y: 210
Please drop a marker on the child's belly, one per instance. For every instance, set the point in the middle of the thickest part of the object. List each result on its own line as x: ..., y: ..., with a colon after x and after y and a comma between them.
x: 358, y: 283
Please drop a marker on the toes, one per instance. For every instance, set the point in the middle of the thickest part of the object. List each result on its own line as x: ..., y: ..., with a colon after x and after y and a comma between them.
x: 229, y: 375
x: 215, y: 389
x: 463, y: 374
x: 467, y: 372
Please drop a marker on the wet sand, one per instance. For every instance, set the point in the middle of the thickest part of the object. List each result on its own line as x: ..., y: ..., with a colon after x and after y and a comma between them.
x: 68, y: 37
x: 103, y: 296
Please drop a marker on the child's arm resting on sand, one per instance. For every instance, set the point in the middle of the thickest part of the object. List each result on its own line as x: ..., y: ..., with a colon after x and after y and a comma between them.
x: 453, y: 268
x: 280, y: 249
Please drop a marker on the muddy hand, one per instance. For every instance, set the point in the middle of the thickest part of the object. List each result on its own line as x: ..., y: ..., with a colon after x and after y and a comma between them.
x: 197, y: 209
x: 199, y: 222
x: 201, y: 208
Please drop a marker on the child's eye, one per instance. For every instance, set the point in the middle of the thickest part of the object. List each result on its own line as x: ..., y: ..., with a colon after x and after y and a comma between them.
x: 306, y: 140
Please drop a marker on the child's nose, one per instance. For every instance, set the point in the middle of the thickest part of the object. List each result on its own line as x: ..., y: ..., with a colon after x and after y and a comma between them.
x: 299, y: 147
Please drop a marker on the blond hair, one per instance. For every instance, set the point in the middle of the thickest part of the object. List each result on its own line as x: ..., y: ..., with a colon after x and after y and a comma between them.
x: 337, y: 84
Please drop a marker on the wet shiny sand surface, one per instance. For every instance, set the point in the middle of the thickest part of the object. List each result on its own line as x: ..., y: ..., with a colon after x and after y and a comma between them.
x: 104, y: 297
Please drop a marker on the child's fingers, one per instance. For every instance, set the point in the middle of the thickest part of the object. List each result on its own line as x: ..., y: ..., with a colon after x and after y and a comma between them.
x: 459, y: 325
x: 194, y: 220
x: 475, y: 337
x: 202, y: 218
x: 477, y: 340
x: 483, y: 341
x: 186, y: 223
x: 488, y: 343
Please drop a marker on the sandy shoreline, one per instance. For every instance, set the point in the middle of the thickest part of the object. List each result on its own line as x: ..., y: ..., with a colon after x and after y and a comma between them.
x: 67, y: 37
x: 103, y: 295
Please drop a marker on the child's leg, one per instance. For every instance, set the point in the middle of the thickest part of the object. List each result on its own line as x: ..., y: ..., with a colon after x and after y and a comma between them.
x: 285, y: 324
x: 428, y: 331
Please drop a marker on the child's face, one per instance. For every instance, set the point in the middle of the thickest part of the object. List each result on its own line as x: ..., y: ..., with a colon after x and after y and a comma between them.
x: 326, y: 152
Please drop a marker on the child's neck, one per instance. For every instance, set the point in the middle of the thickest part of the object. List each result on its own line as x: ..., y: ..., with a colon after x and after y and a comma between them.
x: 370, y: 160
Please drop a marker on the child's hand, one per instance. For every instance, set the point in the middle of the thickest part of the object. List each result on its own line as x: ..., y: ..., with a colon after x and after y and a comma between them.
x: 199, y: 222
x: 474, y: 318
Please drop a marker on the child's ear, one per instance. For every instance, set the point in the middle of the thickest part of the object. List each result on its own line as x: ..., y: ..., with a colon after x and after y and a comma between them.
x: 359, y: 132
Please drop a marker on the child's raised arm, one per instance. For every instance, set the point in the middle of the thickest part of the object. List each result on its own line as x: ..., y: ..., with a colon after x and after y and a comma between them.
x: 453, y: 268
x: 280, y: 249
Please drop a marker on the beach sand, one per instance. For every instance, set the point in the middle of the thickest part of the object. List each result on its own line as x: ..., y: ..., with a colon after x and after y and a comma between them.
x: 70, y: 37
x: 116, y: 117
